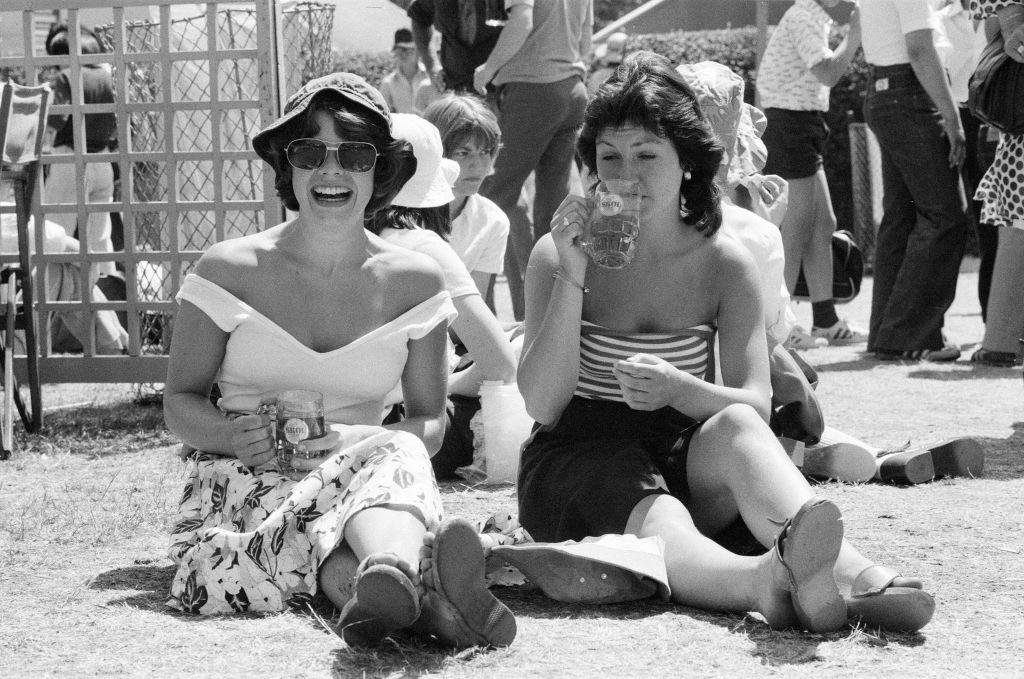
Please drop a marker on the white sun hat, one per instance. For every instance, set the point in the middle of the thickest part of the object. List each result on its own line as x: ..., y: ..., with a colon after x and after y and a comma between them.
x: 431, y: 185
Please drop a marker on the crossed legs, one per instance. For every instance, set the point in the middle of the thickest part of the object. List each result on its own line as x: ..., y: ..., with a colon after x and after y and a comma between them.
x: 736, y: 468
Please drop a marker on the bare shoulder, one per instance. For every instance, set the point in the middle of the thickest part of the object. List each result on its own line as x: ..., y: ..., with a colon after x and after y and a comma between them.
x: 731, y: 259
x: 231, y: 263
x: 409, y: 278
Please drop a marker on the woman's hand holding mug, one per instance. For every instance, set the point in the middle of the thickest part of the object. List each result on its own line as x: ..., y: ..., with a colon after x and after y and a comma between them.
x: 252, y: 439
x: 568, y: 226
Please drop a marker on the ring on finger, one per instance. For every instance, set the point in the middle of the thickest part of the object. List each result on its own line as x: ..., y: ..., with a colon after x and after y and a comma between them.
x: 1020, y: 49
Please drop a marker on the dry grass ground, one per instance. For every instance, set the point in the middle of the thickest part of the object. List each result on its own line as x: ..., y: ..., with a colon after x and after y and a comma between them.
x: 84, y: 509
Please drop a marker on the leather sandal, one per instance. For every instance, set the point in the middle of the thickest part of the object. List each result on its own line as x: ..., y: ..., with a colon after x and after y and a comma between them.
x: 953, y: 457
x: 881, y: 597
x: 846, y: 462
x: 385, y: 600
x: 807, y: 548
x: 458, y: 576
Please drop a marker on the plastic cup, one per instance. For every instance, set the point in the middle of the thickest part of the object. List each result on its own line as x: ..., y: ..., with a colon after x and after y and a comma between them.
x: 610, y: 235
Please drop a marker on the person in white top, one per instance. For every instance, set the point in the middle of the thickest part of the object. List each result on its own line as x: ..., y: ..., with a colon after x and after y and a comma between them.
x: 479, y: 230
x: 920, y: 241
x: 319, y: 303
x: 793, y: 82
x: 418, y: 218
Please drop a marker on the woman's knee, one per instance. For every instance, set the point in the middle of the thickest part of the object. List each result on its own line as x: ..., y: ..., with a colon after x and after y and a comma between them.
x: 659, y: 514
x: 734, y: 420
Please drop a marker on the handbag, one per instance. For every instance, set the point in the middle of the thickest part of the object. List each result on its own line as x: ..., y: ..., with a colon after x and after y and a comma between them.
x: 995, y: 92
x: 847, y: 270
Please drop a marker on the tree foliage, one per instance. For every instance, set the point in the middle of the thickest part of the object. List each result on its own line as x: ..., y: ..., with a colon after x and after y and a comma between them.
x: 607, y: 11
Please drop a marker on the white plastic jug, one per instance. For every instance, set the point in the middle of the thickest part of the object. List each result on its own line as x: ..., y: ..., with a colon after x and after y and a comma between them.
x: 506, y: 426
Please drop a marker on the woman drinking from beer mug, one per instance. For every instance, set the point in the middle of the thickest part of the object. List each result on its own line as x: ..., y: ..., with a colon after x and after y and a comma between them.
x: 634, y: 434
x: 320, y: 304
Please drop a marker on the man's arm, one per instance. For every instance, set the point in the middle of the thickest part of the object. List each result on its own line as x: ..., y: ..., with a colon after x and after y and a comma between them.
x: 930, y: 72
x: 421, y: 14
x: 513, y: 37
x: 830, y: 70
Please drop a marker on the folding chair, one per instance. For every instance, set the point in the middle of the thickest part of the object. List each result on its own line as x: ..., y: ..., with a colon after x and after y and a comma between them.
x: 22, y: 127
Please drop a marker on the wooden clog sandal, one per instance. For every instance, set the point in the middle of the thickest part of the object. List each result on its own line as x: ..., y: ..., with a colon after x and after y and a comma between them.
x: 953, y: 457
x: 385, y: 600
x: 881, y: 597
x: 458, y: 576
x: 807, y: 548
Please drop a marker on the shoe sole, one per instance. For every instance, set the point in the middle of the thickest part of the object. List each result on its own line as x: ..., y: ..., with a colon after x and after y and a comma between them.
x: 809, y: 552
x: 957, y: 457
x: 458, y: 562
x: 385, y: 600
x: 898, y: 609
x: 844, y: 462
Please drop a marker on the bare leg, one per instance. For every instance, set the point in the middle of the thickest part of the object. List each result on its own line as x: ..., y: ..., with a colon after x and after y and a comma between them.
x: 702, y: 573
x: 376, y: 529
x: 1004, y: 323
x: 795, y: 227
x: 817, y: 257
x: 736, y: 467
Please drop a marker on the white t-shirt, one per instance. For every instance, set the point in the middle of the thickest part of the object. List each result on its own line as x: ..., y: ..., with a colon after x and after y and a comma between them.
x: 479, y: 235
x: 763, y: 241
x: 962, y: 47
x: 799, y: 42
x: 884, y: 25
x: 457, y: 280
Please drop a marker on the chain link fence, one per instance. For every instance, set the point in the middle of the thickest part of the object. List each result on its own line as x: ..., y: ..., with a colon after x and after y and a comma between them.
x: 306, y: 29
x: 866, y: 174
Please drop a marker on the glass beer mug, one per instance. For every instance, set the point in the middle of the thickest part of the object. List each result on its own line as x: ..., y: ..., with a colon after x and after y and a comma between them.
x: 610, y: 235
x: 298, y: 416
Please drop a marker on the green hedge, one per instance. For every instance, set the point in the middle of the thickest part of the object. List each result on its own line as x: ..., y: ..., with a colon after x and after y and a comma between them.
x: 736, y: 49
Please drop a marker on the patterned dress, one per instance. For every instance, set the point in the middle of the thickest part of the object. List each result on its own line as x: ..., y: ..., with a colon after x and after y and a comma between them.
x: 1001, y: 190
x: 250, y: 540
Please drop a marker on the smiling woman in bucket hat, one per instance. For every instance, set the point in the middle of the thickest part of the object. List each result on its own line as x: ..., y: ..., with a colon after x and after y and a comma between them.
x: 319, y: 303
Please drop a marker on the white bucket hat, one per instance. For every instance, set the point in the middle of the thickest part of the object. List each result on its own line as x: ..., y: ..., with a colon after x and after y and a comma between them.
x: 431, y: 186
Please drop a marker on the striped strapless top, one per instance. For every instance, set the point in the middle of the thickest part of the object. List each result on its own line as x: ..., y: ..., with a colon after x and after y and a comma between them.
x: 688, y: 350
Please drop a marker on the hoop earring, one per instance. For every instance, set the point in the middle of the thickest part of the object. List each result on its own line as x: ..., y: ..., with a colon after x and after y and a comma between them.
x: 683, y: 212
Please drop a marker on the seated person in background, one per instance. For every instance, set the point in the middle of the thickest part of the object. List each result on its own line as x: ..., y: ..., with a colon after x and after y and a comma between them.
x: 646, y: 445
x: 320, y: 303
x: 479, y: 228
x: 64, y: 284
x: 419, y: 219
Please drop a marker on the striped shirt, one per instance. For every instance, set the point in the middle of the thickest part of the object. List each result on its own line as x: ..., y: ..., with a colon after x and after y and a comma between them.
x: 688, y: 350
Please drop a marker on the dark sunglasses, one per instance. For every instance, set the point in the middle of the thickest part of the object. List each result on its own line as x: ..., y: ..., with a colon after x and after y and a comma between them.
x: 310, y: 154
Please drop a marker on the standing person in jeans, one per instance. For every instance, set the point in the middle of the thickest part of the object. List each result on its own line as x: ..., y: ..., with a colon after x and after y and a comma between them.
x: 61, y: 184
x: 794, y: 78
x: 920, y: 243
x: 538, y: 69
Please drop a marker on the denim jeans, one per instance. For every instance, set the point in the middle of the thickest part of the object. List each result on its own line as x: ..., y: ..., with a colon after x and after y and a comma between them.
x: 920, y: 240
x: 539, y: 123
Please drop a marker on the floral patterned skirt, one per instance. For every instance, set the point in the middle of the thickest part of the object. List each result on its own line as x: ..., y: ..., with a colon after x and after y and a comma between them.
x: 253, y: 541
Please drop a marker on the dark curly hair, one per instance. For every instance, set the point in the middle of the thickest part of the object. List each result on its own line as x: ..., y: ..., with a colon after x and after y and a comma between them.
x: 437, y: 219
x: 395, y: 164
x: 646, y: 91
